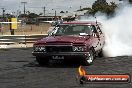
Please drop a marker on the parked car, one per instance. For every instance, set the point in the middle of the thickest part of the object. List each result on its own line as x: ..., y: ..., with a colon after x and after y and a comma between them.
x: 76, y: 40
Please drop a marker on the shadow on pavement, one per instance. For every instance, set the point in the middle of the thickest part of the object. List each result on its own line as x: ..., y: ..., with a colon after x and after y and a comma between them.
x: 55, y: 64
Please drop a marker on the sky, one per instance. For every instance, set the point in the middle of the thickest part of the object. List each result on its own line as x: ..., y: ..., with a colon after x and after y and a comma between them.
x: 12, y: 6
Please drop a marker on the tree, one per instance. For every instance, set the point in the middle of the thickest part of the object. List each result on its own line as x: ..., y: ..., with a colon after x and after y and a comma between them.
x: 84, y: 9
x: 112, y: 8
x: 101, y: 6
x: 62, y: 12
x: 32, y: 15
x: 40, y: 14
x: 22, y: 15
x: 31, y: 18
x: 130, y: 1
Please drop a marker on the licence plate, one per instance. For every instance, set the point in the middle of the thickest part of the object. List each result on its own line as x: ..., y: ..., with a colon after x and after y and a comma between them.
x: 58, y: 57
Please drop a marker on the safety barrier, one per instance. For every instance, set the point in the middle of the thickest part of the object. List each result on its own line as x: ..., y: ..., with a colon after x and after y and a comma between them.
x: 19, y: 41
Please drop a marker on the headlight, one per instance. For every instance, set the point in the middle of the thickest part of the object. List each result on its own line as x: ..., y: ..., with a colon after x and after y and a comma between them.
x: 39, y: 48
x: 78, y: 48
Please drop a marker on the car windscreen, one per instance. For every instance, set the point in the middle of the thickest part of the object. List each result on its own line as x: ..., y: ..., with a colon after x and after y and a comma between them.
x: 73, y: 30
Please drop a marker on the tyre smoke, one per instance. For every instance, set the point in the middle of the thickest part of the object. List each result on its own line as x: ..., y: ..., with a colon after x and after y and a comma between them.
x: 118, y: 32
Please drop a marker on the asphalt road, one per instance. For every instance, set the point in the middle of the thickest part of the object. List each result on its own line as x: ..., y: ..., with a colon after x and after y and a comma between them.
x: 18, y: 69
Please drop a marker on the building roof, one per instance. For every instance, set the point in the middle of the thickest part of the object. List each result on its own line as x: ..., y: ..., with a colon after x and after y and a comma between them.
x: 82, y: 22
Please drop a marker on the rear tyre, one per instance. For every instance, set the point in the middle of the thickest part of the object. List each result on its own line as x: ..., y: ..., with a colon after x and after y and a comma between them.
x: 89, y: 59
x: 100, y: 54
x: 42, y: 61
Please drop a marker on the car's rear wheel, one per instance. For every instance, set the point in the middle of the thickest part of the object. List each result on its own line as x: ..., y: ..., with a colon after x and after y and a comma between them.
x: 42, y: 61
x: 100, y: 54
x: 90, y: 58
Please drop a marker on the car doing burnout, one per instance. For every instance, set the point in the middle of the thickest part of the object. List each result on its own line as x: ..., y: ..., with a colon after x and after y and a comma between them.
x: 76, y: 40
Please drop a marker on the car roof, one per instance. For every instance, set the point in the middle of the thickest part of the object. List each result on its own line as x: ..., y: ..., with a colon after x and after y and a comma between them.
x: 81, y: 22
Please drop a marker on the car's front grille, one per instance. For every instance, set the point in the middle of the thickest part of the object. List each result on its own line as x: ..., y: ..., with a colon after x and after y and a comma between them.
x: 58, y: 48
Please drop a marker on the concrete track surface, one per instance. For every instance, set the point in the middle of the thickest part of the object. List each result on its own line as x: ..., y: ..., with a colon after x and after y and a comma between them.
x: 18, y: 69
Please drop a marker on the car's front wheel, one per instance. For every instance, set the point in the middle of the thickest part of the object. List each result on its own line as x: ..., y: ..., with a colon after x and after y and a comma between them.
x: 89, y: 59
x: 42, y: 61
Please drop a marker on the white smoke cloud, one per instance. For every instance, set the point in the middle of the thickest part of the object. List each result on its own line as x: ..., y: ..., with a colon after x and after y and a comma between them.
x: 118, y: 33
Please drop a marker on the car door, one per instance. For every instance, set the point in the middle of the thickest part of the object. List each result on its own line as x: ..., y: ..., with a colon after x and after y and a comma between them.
x: 101, y: 35
x: 96, y: 38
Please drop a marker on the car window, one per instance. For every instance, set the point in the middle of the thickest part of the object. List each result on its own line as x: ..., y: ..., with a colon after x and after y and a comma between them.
x: 93, y: 28
x: 73, y: 29
x: 78, y: 28
x: 99, y: 29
